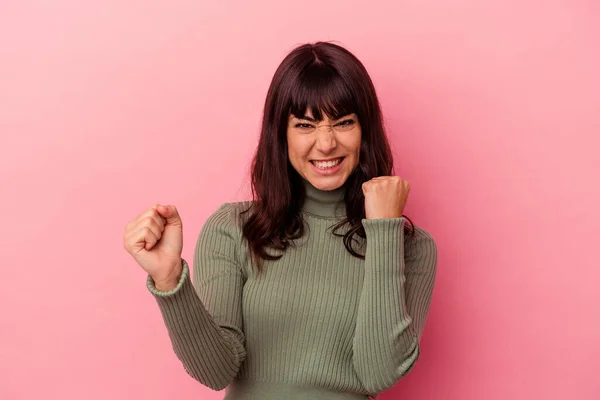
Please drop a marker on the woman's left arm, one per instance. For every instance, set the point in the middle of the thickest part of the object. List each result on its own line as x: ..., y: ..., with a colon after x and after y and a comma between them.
x: 394, y: 303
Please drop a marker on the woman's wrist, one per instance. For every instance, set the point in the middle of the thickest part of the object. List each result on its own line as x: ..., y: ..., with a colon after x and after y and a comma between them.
x: 169, y: 282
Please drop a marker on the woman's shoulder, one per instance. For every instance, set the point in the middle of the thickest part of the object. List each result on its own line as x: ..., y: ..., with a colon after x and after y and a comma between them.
x: 420, y: 233
x: 229, y: 215
x: 420, y: 243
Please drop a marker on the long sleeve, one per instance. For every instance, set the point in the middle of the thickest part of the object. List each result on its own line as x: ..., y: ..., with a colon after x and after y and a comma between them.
x: 204, y: 320
x: 394, y: 303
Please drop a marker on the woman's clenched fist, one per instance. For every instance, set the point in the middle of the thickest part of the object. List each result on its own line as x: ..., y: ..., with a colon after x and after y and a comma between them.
x: 385, y: 197
x: 155, y: 240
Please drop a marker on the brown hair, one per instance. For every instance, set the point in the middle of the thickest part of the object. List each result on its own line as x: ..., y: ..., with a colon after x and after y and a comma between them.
x: 322, y: 77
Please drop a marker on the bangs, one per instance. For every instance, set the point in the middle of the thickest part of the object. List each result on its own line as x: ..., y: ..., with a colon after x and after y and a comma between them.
x: 320, y: 89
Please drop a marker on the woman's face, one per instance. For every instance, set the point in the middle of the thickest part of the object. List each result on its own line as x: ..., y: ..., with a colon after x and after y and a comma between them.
x: 324, y: 155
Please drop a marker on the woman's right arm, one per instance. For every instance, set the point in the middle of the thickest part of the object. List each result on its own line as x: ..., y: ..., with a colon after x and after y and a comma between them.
x: 204, y: 320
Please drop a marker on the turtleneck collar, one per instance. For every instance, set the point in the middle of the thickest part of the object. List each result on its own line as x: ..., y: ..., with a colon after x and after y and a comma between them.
x: 323, y: 203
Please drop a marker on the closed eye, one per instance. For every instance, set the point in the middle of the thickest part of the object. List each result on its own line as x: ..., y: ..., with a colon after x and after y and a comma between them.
x: 347, y: 122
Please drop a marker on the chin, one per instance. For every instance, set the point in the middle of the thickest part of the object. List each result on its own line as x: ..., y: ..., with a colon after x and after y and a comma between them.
x: 328, y: 183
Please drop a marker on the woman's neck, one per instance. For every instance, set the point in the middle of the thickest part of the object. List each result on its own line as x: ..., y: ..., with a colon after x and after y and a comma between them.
x: 324, y: 203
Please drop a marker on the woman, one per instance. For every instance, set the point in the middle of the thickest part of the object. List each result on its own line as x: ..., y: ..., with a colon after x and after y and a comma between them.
x: 318, y: 288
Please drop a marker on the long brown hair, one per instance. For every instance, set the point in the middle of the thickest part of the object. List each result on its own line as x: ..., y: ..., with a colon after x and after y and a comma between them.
x: 322, y: 77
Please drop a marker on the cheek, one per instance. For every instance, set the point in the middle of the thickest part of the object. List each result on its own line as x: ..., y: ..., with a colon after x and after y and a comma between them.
x: 296, y: 150
x: 355, y: 146
x: 352, y: 144
x: 299, y: 147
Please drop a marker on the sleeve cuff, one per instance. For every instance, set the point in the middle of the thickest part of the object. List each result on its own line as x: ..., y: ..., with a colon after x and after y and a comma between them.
x: 385, y: 242
x: 384, y: 226
x: 185, y: 273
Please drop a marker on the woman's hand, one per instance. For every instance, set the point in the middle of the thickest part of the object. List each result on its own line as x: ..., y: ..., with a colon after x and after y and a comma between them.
x: 155, y: 240
x: 385, y: 197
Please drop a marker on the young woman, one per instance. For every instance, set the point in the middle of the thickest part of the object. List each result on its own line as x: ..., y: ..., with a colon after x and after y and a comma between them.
x: 318, y: 288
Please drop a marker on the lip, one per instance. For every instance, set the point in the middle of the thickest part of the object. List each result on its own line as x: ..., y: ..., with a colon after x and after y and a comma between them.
x: 328, y: 171
x: 327, y: 159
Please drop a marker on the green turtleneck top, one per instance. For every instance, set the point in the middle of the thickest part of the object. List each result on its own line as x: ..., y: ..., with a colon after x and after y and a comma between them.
x: 318, y: 323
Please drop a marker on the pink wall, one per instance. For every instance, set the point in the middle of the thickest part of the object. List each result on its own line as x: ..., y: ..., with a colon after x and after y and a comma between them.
x: 108, y: 107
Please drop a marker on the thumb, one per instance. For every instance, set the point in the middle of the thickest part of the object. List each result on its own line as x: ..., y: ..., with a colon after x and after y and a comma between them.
x: 170, y: 213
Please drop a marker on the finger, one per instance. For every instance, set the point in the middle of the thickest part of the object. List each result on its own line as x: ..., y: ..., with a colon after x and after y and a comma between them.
x: 158, y: 219
x: 134, y: 222
x: 153, y: 211
x: 170, y: 213
x: 139, y: 240
x: 146, y: 238
x: 151, y: 224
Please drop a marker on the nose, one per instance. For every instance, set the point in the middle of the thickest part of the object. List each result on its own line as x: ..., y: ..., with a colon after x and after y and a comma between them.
x: 326, y: 142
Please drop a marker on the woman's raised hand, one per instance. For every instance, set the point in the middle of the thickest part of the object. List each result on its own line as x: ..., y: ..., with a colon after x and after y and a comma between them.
x: 385, y: 197
x: 155, y: 240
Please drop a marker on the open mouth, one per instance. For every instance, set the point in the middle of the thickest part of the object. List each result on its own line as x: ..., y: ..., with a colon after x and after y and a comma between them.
x: 327, y: 164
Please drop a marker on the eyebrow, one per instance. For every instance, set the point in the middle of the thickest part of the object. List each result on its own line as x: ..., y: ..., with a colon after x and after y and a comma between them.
x: 306, y: 117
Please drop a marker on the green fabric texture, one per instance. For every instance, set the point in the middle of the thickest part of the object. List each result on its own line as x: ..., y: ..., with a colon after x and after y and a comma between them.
x: 317, y: 323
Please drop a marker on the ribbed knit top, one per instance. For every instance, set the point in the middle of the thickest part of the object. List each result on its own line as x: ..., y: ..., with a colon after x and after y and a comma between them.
x: 318, y: 323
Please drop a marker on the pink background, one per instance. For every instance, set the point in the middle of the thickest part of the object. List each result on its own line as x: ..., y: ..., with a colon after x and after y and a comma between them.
x: 107, y: 107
